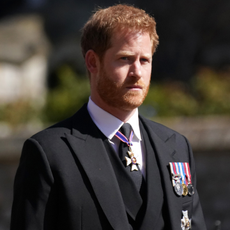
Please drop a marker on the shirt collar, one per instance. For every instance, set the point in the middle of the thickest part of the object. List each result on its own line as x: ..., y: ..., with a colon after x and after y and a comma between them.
x: 108, y: 124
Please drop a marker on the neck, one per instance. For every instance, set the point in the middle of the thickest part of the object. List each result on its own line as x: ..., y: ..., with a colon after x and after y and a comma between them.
x: 123, y: 115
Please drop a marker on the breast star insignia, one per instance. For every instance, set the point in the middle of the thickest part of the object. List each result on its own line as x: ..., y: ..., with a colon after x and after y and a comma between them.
x: 185, y: 221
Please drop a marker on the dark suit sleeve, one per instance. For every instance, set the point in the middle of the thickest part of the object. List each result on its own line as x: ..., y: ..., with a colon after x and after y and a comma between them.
x: 198, y: 222
x: 32, y: 187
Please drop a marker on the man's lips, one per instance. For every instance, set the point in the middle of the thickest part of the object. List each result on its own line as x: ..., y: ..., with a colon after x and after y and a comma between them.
x: 135, y: 87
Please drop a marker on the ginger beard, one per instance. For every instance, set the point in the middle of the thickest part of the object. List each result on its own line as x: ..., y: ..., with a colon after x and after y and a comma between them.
x: 116, y: 95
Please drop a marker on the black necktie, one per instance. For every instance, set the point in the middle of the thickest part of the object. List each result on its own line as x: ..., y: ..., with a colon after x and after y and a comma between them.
x: 123, y: 152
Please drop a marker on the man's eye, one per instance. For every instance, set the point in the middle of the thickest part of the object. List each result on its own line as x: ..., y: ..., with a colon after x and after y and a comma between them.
x: 144, y: 60
x: 124, y: 58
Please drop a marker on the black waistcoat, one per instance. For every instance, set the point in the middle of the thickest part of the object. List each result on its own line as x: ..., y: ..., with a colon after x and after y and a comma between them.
x: 140, y: 205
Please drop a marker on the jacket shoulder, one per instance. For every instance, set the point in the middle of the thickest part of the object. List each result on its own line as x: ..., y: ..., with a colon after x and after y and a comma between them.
x: 158, y: 128
x: 176, y: 140
x: 63, y: 127
x: 54, y: 131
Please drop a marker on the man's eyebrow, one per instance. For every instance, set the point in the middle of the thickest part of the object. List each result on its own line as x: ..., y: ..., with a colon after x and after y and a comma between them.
x: 128, y: 53
x: 125, y: 53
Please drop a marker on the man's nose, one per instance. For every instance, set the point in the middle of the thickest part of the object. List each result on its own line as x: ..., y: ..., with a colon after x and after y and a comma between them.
x: 135, y: 69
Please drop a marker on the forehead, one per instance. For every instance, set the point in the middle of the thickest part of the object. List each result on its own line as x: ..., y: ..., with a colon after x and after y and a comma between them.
x: 131, y: 38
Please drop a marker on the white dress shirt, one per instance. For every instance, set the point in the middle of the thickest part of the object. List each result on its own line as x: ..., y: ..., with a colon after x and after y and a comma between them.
x: 109, y: 125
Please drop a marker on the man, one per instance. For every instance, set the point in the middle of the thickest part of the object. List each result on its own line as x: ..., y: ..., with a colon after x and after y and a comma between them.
x: 86, y: 172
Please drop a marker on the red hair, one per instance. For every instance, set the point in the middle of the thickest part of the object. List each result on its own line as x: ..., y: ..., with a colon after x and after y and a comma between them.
x: 97, y: 32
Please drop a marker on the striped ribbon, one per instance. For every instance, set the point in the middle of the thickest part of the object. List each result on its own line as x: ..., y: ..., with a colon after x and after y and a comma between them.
x: 188, y: 173
x: 181, y: 169
x: 124, y: 139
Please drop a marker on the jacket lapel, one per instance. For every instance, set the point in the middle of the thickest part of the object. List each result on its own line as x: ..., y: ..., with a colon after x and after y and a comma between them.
x: 91, y: 152
x: 164, y: 148
x: 153, y: 184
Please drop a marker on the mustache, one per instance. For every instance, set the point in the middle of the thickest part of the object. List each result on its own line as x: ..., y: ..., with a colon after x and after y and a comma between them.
x: 134, y: 82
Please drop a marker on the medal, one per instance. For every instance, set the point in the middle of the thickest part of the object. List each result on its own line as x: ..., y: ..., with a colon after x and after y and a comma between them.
x: 176, y: 178
x: 131, y: 160
x: 181, y: 178
x: 185, y: 221
x: 178, y: 188
x: 190, y: 189
x: 184, y: 181
x: 185, y: 189
x: 188, y: 174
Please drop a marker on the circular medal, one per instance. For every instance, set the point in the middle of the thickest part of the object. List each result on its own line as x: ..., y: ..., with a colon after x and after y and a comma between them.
x: 185, y: 190
x: 134, y: 160
x: 190, y: 189
x: 178, y: 188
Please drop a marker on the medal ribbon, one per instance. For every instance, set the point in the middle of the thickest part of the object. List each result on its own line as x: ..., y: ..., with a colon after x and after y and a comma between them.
x: 176, y: 166
x: 172, y: 171
x: 183, y: 174
x: 180, y: 169
x: 124, y: 139
x: 175, y: 171
x: 188, y: 173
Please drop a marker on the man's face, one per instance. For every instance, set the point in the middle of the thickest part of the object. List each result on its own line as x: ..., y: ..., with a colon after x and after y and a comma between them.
x: 124, y: 75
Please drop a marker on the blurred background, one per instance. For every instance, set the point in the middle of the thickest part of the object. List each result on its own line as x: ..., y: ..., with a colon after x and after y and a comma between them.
x: 43, y: 80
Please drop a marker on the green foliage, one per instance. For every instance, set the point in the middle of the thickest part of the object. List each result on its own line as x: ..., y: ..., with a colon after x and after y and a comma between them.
x: 65, y: 99
x: 208, y: 93
x: 171, y: 99
x: 19, y: 112
x: 212, y: 92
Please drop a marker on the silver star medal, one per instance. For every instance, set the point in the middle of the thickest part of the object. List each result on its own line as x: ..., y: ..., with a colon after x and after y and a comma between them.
x: 185, y: 221
x: 131, y: 160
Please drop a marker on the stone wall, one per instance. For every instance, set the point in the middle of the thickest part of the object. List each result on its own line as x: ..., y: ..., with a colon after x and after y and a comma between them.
x: 23, y: 59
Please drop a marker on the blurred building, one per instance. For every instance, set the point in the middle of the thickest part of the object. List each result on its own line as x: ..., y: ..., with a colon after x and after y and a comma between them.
x: 23, y: 59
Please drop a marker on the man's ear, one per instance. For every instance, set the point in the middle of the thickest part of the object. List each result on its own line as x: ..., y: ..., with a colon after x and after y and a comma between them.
x: 92, y: 61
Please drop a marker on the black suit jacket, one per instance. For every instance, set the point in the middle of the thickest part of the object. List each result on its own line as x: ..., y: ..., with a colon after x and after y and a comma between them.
x: 66, y: 180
